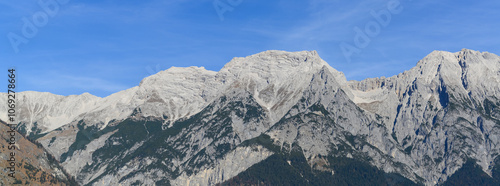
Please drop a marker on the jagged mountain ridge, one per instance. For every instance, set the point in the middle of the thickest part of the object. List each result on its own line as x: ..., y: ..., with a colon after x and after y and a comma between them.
x: 176, y: 92
x: 385, y: 119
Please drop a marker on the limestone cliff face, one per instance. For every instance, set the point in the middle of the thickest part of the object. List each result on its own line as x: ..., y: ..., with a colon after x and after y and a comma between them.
x: 441, y: 111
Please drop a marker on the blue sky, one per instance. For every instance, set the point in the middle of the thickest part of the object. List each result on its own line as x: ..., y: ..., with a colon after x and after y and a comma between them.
x: 105, y: 46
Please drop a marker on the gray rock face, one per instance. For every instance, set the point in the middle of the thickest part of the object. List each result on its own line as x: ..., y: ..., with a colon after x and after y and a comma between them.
x: 326, y: 117
x: 190, y: 126
x: 226, y: 167
x: 437, y: 112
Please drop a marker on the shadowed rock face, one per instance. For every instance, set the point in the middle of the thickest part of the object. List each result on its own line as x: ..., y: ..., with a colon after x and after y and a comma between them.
x: 193, y: 126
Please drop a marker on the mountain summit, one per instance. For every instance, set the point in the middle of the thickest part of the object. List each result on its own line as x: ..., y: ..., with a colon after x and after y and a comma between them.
x: 281, y: 118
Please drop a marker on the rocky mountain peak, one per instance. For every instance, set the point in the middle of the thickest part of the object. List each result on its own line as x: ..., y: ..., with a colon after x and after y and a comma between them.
x: 460, y: 57
x: 274, y: 61
x: 454, y: 68
x: 275, y: 78
x: 174, y: 74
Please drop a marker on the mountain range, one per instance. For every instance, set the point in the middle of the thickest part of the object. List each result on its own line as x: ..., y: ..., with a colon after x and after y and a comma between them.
x: 280, y: 118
